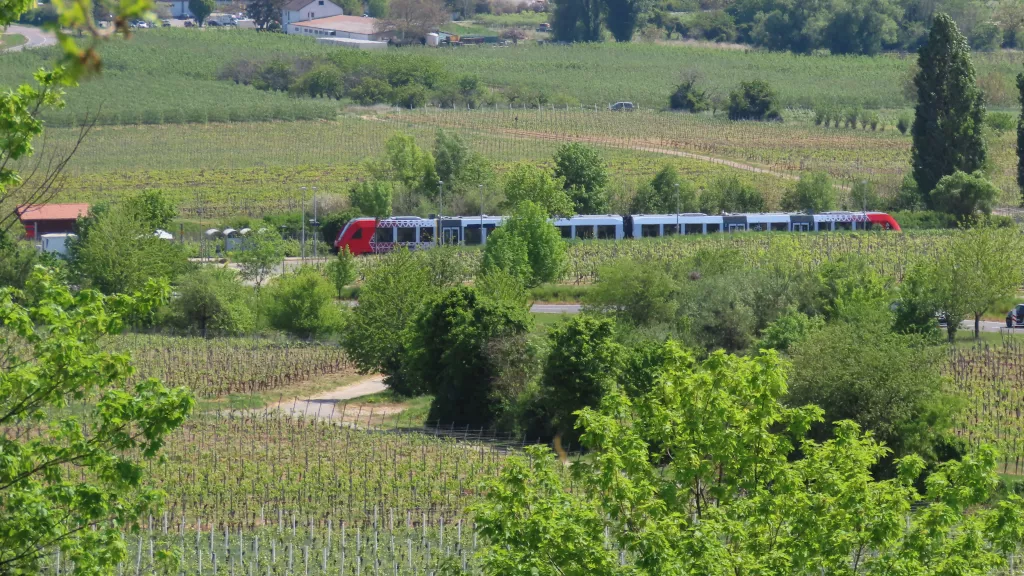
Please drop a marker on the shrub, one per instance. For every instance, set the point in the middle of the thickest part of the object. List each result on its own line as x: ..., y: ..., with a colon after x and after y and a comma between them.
x: 634, y: 292
x: 1000, y: 121
x: 372, y: 198
x: 964, y: 194
x: 665, y: 194
x: 584, y: 176
x: 730, y: 194
x: 863, y: 196
x: 687, y: 96
x: 903, y: 124
x: 371, y: 91
x: 813, y: 193
x: 754, y: 100
x: 212, y: 299
x: 341, y: 271
x: 448, y: 345
x: 302, y: 303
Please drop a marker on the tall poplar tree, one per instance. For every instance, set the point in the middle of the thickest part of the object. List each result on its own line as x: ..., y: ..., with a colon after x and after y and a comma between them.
x: 950, y: 109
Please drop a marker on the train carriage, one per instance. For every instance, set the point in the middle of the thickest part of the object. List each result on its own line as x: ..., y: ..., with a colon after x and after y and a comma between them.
x: 369, y: 236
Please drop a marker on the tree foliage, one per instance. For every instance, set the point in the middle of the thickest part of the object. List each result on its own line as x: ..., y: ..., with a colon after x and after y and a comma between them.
x: 577, y: 20
x: 689, y: 97
x: 680, y: 496
x: 964, y: 195
x: 545, y: 249
x: 201, y: 9
x: 667, y: 193
x: 447, y: 352
x: 77, y: 486
x: 730, y: 194
x: 341, y: 271
x: 1020, y: 136
x: 213, y: 300
x: 754, y: 100
x: 261, y: 251
x: 527, y: 182
x: 413, y: 19
x: 950, y: 110
x: 265, y: 14
x: 302, y: 303
x: 372, y: 198
x: 813, y: 193
x: 584, y: 176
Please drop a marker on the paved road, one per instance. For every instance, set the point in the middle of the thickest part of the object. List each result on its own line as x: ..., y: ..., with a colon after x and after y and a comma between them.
x: 35, y: 37
x: 555, y: 308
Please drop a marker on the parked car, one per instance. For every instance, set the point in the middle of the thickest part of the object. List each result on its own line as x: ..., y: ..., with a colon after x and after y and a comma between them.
x: 621, y: 107
x: 1015, y: 317
x: 545, y: 27
x: 165, y: 23
x: 189, y: 24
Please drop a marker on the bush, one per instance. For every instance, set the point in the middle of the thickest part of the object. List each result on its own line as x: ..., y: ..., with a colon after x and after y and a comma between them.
x: 924, y: 220
x: 903, y: 124
x: 341, y: 271
x: 1001, y: 121
x: 813, y: 193
x: 584, y: 176
x: 754, y: 100
x: 864, y: 197
x: 634, y: 292
x: 447, y: 353
x: 372, y: 198
x: 665, y: 194
x: 302, y: 303
x: 213, y: 299
x: 730, y: 194
x: 545, y: 250
x: 789, y: 329
x: 371, y: 91
x: 687, y: 96
x: 582, y: 366
x: 524, y: 181
x: 962, y: 194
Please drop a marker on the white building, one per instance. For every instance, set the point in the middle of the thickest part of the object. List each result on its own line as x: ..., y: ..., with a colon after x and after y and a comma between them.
x: 179, y: 9
x: 303, y: 10
x: 351, y: 27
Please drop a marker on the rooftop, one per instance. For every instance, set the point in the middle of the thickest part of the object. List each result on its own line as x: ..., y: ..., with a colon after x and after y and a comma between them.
x: 350, y: 24
x: 31, y: 213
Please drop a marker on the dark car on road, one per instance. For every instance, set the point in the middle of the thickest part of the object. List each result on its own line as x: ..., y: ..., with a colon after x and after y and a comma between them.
x: 1015, y: 317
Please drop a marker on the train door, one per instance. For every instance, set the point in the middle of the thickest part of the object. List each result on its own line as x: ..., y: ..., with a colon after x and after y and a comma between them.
x: 801, y: 227
x: 450, y: 236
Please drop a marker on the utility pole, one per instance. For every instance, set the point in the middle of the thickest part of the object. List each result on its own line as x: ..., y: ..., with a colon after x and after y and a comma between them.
x: 303, y: 250
x: 440, y: 211
x: 316, y: 225
x: 481, y: 214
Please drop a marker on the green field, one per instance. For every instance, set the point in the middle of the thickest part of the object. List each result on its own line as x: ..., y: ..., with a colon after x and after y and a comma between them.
x: 170, y: 75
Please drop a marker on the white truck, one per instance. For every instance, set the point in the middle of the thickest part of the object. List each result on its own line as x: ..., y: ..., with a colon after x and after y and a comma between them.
x: 55, y: 243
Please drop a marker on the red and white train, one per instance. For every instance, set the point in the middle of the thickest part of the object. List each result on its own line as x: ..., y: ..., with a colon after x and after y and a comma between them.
x: 369, y: 236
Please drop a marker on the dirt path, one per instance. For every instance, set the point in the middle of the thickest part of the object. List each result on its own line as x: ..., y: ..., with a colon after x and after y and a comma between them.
x: 333, y: 404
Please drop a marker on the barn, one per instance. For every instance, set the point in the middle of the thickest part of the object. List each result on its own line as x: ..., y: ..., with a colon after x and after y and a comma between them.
x: 40, y: 219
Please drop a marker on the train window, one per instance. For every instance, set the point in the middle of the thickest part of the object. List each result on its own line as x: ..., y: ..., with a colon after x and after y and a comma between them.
x: 472, y: 236
x: 779, y: 227
x: 358, y: 234
x: 585, y: 232
x: 566, y: 232
x: 737, y: 227
x: 407, y: 234
x: 693, y: 228
x: 671, y: 229
x: 757, y: 226
x: 606, y: 232
x: 650, y: 230
x: 384, y: 235
x: 824, y: 226
x: 427, y: 234
x: 801, y: 227
x: 712, y: 228
x: 844, y: 226
x: 868, y: 226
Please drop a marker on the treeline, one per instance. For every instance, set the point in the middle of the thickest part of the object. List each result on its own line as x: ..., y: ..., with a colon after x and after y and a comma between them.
x: 402, y: 80
x: 801, y: 26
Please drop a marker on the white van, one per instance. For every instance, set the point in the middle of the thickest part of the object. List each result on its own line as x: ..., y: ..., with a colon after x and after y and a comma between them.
x: 55, y: 243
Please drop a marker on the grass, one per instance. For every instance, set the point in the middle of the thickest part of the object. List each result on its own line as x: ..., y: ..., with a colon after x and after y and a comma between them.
x: 559, y: 293
x: 413, y: 411
x: 520, y: 20
x: 11, y: 41
x: 300, y: 390
x: 543, y: 323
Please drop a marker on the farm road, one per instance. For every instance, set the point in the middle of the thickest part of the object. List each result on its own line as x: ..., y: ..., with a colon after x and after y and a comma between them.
x: 35, y: 36
x: 331, y: 404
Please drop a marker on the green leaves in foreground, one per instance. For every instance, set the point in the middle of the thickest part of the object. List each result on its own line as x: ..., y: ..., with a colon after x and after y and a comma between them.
x: 75, y: 482
x: 709, y: 473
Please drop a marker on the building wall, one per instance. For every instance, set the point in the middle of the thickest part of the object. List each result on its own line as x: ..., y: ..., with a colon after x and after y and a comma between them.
x: 315, y: 9
x: 325, y: 33
x: 48, y: 227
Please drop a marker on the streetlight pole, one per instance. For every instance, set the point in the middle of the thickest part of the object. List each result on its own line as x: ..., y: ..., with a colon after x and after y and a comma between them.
x: 303, y: 250
x: 440, y: 211
x: 678, y: 231
x: 481, y: 214
x: 316, y: 225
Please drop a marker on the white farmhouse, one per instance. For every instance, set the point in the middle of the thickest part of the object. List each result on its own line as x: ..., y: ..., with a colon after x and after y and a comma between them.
x: 302, y: 10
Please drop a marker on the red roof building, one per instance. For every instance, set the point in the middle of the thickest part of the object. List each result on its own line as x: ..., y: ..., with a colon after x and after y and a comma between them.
x: 40, y: 219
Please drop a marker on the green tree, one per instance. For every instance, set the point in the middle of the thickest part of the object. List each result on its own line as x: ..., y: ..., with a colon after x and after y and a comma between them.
x: 637, y: 293
x: 524, y: 181
x: 788, y: 330
x: 687, y: 96
x: 581, y: 368
x: 260, y: 253
x: 982, y: 266
x: 700, y: 476
x: 730, y: 194
x: 76, y: 487
x: 621, y: 17
x: 154, y: 209
x: 507, y: 253
x: 447, y: 352
x: 408, y: 164
x: 894, y: 388
x: 377, y: 8
x: 813, y: 193
x: 577, y: 21
x: 212, y: 299
x: 265, y: 14
x: 302, y: 303
x: 451, y: 156
x: 963, y: 195
x: 916, y: 311
x: 392, y: 292
x: 117, y: 253
x: 372, y: 198
x: 341, y: 271
x: 754, y: 100
x: 863, y: 27
x: 666, y: 194
x: 545, y: 249
x: 950, y: 110
x: 584, y: 176
x: 201, y: 9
